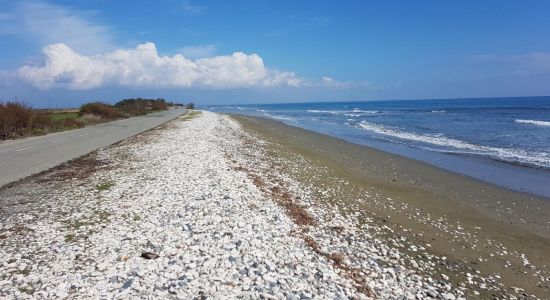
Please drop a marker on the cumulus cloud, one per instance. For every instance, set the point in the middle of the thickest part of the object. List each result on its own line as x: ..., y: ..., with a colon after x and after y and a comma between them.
x: 143, y: 67
x: 49, y: 23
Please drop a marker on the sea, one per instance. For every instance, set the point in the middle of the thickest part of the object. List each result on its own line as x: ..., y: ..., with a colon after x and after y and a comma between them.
x: 503, y: 141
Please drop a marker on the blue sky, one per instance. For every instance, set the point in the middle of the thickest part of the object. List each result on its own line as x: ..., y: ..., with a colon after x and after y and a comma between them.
x: 286, y: 51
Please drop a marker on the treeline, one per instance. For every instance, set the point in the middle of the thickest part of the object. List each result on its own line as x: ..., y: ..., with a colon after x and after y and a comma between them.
x: 140, y: 105
x: 124, y: 108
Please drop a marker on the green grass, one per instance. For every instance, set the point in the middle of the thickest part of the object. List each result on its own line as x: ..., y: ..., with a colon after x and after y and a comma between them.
x: 190, y: 115
x: 69, y: 238
x: 26, y: 289
x: 104, y: 186
x: 57, y: 117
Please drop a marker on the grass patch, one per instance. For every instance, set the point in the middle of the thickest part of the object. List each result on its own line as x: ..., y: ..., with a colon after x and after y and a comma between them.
x: 69, y: 238
x: 104, y: 186
x: 102, y: 216
x: 192, y: 114
x: 81, y: 228
x: 58, y: 117
x: 26, y: 290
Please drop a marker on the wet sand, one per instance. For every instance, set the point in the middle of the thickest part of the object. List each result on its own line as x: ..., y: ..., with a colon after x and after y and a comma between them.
x: 480, y: 229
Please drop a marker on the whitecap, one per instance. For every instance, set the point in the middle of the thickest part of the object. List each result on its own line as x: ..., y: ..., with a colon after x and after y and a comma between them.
x: 353, y: 113
x: 533, y: 122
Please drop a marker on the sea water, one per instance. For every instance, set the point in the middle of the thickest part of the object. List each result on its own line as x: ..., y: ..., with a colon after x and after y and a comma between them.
x: 505, y: 141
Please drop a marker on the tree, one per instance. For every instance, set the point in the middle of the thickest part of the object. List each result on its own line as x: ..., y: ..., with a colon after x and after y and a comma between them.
x: 190, y: 105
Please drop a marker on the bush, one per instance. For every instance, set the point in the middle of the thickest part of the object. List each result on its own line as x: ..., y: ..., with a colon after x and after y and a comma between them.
x: 100, y: 109
x: 90, y: 118
x: 39, y: 121
x: 159, y: 104
x: 14, y: 118
x: 72, y: 123
x: 140, y: 106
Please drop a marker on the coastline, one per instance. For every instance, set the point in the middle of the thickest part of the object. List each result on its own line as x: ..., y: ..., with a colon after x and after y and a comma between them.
x: 479, y: 139
x: 205, y: 206
x: 484, y: 227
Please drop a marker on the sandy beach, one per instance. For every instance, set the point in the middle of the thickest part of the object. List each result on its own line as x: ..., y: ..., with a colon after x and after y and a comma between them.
x: 211, y: 206
x: 500, y: 235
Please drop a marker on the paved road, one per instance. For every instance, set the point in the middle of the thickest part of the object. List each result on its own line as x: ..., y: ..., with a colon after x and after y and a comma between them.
x: 24, y: 157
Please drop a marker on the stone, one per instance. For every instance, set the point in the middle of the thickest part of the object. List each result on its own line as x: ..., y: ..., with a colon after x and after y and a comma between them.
x: 149, y: 255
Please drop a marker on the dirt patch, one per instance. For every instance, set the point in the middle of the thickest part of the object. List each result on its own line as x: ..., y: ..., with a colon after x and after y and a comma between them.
x: 79, y: 168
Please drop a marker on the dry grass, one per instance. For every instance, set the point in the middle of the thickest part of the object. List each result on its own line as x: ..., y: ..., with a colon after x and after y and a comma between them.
x: 91, y: 118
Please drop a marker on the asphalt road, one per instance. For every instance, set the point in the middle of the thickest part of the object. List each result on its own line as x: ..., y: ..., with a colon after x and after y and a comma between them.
x: 24, y: 157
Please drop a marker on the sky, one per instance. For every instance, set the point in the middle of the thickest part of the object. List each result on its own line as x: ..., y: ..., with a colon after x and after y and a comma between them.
x: 64, y: 53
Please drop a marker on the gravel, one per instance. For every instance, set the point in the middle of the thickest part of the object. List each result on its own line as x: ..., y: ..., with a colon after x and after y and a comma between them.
x: 185, y: 212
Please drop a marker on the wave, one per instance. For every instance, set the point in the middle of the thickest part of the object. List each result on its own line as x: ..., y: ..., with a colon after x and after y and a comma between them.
x: 439, y: 111
x: 279, y: 117
x: 332, y: 112
x: 533, y: 122
x: 350, y: 113
x: 539, y: 159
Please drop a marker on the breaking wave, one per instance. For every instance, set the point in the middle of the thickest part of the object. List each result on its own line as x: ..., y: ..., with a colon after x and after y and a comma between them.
x: 533, y: 122
x: 350, y: 113
x: 541, y: 160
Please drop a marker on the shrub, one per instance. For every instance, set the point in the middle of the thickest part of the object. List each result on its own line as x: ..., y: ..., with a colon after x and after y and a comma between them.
x: 72, y: 123
x: 14, y: 118
x: 90, y: 118
x: 39, y: 121
x: 140, y: 106
x: 100, y: 109
x: 159, y: 104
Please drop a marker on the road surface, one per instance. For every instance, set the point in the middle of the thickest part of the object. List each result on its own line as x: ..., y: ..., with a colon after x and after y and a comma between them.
x: 24, y: 157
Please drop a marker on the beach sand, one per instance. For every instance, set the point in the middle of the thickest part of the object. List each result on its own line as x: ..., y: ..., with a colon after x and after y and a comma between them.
x: 208, y: 207
x: 475, y: 228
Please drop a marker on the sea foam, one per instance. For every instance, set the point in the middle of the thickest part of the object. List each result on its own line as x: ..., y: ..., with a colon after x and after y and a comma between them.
x: 505, y: 154
x: 533, y: 122
x: 353, y: 113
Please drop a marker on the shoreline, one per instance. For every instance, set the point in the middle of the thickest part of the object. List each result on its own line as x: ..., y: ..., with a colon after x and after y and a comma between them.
x: 493, y: 148
x: 457, y: 186
x: 491, y: 229
x: 207, y: 206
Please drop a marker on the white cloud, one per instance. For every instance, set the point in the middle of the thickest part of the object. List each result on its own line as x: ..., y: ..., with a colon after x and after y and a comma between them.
x: 198, y: 51
x: 330, y: 82
x: 333, y: 83
x: 143, y: 67
x: 48, y: 23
